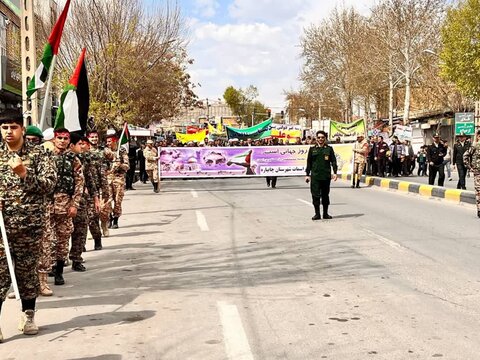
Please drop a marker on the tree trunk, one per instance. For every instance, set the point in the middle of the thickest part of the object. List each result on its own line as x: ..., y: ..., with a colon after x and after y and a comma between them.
x: 390, y: 101
x: 406, y: 111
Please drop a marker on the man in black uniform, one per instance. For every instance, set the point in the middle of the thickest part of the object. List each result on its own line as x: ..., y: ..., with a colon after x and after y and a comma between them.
x: 435, y: 154
x: 459, y: 149
x: 321, y: 161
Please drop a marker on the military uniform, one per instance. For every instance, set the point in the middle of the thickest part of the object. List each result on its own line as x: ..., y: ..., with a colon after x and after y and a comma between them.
x: 24, y: 215
x: 99, y: 173
x: 360, y: 158
x: 116, y: 181
x: 151, y: 165
x: 471, y: 158
x: 80, y: 222
x: 321, y: 161
x: 68, y: 193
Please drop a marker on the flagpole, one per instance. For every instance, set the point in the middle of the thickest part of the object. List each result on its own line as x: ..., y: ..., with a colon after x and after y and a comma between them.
x: 47, y: 92
x: 11, y: 269
x: 120, y: 139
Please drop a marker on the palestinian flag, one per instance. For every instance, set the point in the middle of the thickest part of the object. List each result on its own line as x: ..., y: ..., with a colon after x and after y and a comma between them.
x: 50, y: 50
x: 75, y: 100
x: 124, y: 138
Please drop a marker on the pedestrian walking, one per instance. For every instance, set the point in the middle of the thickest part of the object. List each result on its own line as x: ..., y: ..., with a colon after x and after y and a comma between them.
x: 151, y: 164
x: 381, y: 157
x: 435, y: 154
x: 25, y: 176
x: 471, y: 159
x: 459, y: 149
x: 321, y: 162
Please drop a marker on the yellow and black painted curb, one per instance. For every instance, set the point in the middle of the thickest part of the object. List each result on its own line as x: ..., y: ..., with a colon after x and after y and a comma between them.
x: 460, y: 196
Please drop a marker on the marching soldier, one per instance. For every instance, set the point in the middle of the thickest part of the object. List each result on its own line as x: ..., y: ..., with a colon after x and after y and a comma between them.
x: 471, y: 159
x: 151, y: 164
x: 67, y: 197
x: 321, y: 161
x: 78, y: 145
x: 116, y: 177
x: 360, y: 151
x: 25, y: 176
x: 100, y: 160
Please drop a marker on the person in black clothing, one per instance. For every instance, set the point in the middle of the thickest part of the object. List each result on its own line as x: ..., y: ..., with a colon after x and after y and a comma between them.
x: 381, y: 156
x: 132, y: 159
x: 141, y: 165
x: 459, y: 149
x: 435, y: 154
x: 372, y: 168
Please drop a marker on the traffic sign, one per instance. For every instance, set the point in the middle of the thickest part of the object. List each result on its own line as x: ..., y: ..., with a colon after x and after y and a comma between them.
x: 465, y: 123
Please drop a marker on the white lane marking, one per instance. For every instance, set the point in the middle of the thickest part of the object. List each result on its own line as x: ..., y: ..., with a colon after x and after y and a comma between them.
x: 236, y: 342
x: 383, y: 239
x: 305, y: 202
x: 194, y: 193
x: 201, y: 221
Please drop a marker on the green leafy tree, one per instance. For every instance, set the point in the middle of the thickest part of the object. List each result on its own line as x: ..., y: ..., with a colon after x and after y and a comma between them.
x: 243, y: 103
x: 460, y: 55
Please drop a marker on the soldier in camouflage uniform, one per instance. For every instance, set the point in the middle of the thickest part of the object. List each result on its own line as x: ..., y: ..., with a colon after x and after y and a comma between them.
x: 25, y: 176
x: 45, y: 259
x: 360, y: 152
x: 116, y: 177
x: 471, y: 159
x: 151, y: 164
x: 67, y: 197
x: 100, y: 166
x: 78, y: 145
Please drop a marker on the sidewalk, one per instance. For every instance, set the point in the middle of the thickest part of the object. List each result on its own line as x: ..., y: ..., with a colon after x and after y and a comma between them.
x: 419, y: 185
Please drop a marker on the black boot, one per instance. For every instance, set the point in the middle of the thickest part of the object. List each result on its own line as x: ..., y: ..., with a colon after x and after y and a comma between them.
x: 358, y: 184
x: 317, y: 213
x: 98, y: 244
x: 59, y: 272
x: 155, y: 187
x: 78, y: 266
x: 115, y: 223
x: 52, y: 272
x: 478, y: 213
x: 110, y: 222
x: 325, y: 212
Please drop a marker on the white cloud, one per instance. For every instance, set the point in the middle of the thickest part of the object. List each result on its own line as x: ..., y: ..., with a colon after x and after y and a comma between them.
x: 206, y: 8
x: 259, y: 46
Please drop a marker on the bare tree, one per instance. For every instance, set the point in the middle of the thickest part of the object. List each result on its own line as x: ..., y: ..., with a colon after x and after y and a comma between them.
x: 137, y: 61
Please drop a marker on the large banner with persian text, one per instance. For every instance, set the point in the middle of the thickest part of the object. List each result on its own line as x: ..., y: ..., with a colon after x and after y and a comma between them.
x: 204, y: 162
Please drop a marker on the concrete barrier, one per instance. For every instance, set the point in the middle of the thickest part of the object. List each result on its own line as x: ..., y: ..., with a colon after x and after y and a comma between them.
x: 459, y: 196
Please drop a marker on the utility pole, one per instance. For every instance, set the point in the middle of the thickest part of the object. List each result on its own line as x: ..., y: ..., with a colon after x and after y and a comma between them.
x: 29, y: 61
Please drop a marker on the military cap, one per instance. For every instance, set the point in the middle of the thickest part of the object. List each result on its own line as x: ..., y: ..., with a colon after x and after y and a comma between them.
x: 32, y: 130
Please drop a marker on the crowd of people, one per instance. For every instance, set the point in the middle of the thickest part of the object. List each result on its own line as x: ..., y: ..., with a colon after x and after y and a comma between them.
x: 55, y: 186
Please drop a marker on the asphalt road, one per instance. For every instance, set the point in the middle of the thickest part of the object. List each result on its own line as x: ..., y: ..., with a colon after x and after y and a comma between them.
x: 228, y: 269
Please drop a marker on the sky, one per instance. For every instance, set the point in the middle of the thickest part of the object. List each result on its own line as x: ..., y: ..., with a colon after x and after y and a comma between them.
x: 251, y: 42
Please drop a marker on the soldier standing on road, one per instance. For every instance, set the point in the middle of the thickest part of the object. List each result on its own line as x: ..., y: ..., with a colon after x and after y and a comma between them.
x: 151, y: 164
x: 34, y: 136
x: 435, y: 154
x: 360, y: 152
x: 89, y: 194
x: 471, y: 159
x: 100, y: 166
x: 25, y: 176
x: 67, y: 197
x: 116, y: 177
x: 459, y: 149
x: 321, y: 161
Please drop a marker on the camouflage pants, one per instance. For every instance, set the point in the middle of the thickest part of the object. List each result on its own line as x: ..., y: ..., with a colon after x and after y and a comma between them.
x: 153, y: 175
x: 62, y: 229
x: 24, y: 247
x: 476, y: 184
x: 117, y: 191
x: 93, y: 220
x: 45, y: 259
x: 357, y: 170
x: 80, y: 229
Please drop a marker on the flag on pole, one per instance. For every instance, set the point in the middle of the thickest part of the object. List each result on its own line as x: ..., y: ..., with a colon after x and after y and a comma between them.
x: 75, y: 100
x: 124, y: 138
x: 50, y: 50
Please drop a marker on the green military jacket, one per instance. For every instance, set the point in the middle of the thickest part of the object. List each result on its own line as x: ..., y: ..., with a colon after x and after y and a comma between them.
x: 321, y: 161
